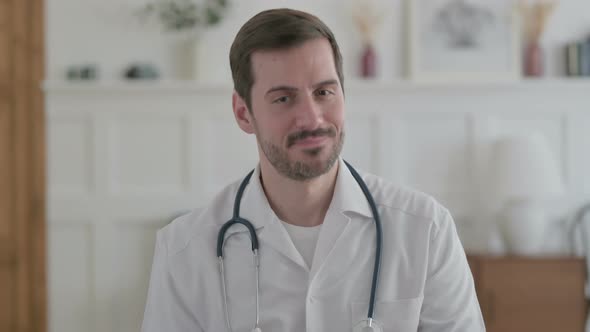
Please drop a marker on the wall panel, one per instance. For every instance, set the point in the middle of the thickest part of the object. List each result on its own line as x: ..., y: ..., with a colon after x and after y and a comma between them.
x: 71, y: 277
x: 142, y: 154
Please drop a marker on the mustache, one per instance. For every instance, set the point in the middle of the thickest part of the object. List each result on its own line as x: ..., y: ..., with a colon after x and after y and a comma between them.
x: 293, y: 138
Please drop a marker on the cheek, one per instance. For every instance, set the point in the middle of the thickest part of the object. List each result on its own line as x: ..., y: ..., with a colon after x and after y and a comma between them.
x: 336, y: 116
x: 274, y: 129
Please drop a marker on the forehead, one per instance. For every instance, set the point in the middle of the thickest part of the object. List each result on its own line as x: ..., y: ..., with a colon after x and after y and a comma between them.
x: 310, y: 61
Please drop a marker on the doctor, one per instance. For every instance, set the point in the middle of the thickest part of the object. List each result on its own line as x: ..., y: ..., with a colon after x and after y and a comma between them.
x: 315, y: 228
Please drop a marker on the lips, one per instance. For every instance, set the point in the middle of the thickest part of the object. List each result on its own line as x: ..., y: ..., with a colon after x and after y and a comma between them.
x: 311, y: 141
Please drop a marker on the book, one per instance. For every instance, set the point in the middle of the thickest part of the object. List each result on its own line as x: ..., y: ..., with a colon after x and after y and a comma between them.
x: 585, y: 58
x: 572, y: 59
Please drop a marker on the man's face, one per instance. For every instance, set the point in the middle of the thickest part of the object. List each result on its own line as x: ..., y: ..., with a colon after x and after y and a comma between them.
x: 298, y: 109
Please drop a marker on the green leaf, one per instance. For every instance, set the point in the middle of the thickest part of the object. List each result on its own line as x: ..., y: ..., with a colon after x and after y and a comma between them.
x: 213, y: 16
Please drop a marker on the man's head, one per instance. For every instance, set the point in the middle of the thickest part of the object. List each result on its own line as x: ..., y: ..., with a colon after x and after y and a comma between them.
x: 287, y: 72
x: 272, y: 30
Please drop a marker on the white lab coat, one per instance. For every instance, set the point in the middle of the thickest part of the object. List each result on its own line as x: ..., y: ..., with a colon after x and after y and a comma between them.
x: 425, y: 283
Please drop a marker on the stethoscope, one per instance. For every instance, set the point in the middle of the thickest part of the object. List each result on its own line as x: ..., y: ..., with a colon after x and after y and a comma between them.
x: 367, y: 325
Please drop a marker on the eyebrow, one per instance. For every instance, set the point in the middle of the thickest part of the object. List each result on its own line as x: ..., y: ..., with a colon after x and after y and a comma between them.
x: 291, y: 88
x: 281, y: 88
x: 326, y: 82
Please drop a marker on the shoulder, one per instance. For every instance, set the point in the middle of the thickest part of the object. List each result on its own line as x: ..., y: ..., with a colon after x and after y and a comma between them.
x: 400, y: 199
x: 200, y: 223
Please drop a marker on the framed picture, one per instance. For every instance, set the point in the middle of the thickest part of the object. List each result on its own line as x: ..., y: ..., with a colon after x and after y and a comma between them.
x: 463, y: 40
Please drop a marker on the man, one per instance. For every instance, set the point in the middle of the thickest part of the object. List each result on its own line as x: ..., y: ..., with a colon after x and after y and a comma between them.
x: 315, y: 227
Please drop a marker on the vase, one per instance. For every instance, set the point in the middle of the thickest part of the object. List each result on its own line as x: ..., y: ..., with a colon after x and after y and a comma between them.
x: 368, y: 62
x: 186, y: 58
x: 534, y: 60
x: 193, y: 69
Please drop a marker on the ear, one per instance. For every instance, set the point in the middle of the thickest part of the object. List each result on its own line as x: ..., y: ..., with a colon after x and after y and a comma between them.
x: 242, y: 114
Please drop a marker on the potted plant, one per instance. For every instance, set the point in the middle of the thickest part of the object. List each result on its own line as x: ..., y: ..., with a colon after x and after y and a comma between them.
x: 186, y: 19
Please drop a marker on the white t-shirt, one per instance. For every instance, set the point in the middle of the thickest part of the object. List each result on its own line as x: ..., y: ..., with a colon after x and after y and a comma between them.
x: 304, y: 239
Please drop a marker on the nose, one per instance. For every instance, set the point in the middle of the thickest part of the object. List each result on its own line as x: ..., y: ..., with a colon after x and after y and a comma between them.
x: 309, y: 114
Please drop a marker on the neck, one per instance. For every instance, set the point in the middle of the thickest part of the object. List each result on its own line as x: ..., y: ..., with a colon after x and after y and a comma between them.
x: 300, y: 203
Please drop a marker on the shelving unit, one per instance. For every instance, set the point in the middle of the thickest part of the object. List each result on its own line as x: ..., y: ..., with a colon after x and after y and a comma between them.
x: 123, y: 157
x: 350, y: 86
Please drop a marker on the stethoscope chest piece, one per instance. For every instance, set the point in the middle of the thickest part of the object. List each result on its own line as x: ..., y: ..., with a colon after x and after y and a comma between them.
x: 365, y: 326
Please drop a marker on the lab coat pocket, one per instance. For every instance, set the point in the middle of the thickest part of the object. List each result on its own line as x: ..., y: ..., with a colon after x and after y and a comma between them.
x: 392, y: 316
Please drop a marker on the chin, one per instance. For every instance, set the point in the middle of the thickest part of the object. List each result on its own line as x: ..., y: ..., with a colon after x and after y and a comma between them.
x: 317, y: 162
x: 312, y: 154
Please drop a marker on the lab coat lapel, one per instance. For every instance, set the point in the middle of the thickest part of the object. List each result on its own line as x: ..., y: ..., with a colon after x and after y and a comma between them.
x: 347, y: 197
x: 271, y: 233
x: 334, y: 226
x: 275, y: 236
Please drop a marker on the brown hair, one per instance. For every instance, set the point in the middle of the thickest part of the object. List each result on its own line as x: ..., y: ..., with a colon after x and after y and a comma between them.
x: 275, y: 29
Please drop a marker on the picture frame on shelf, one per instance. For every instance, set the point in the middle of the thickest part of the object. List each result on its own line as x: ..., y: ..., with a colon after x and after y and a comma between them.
x: 463, y: 41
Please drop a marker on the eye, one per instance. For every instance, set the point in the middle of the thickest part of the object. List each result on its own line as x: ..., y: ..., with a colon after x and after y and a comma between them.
x: 324, y: 92
x: 281, y: 100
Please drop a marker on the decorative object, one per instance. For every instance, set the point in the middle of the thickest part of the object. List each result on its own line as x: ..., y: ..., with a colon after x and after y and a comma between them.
x: 585, y: 58
x: 186, y: 15
x: 579, y: 234
x: 186, y: 19
x: 463, y: 40
x: 524, y: 176
x: 535, y: 16
x: 573, y: 54
x: 367, y: 18
x: 141, y: 71
x: 577, y: 55
x: 83, y: 72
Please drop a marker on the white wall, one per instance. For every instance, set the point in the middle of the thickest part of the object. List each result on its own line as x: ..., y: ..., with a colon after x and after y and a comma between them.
x: 123, y: 159
x: 106, y: 33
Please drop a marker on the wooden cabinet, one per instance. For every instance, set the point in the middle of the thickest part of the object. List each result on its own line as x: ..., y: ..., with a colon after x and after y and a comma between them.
x: 531, y: 294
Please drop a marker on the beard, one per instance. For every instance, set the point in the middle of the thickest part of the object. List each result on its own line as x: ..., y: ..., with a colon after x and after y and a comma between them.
x: 300, y: 170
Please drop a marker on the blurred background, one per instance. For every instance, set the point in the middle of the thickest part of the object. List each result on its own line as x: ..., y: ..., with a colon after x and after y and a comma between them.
x: 115, y: 117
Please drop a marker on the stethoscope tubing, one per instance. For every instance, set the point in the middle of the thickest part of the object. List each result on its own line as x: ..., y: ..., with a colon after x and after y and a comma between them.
x: 378, y: 239
x: 236, y: 219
